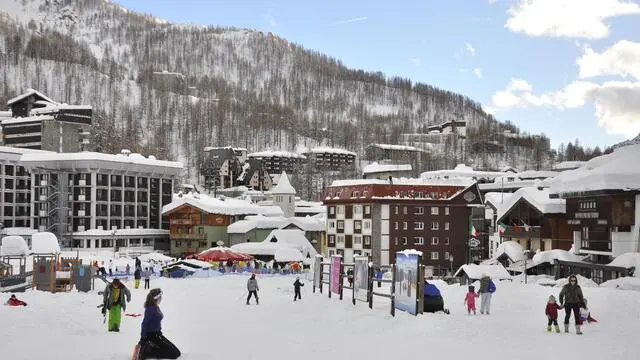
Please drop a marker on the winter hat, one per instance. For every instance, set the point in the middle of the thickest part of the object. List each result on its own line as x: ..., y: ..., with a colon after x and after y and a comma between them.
x: 552, y: 298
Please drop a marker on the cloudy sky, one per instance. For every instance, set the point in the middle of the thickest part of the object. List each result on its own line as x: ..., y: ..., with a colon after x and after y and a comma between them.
x: 566, y: 68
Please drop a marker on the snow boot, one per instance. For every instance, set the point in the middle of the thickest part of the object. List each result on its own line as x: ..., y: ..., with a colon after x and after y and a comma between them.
x: 557, y: 329
x: 549, y: 328
x: 578, y: 332
x: 566, y: 328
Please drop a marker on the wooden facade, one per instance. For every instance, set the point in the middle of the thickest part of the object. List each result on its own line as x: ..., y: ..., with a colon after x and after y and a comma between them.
x: 188, y: 229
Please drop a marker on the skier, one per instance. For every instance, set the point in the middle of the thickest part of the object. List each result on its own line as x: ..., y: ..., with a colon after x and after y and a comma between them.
x: 296, y: 287
x: 487, y: 288
x: 152, y: 343
x: 552, y: 313
x: 110, y: 267
x: 571, y: 298
x: 470, y: 300
x: 147, y: 278
x: 113, y: 300
x: 252, y: 287
x: 14, y: 301
x: 137, y: 276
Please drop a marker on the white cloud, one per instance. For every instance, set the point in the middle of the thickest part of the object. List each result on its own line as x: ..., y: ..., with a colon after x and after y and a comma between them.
x: 470, y: 49
x: 622, y: 59
x: 567, y: 18
x: 615, y: 102
x: 349, y: 21
x: 478, y: 73
x: 416, y: 61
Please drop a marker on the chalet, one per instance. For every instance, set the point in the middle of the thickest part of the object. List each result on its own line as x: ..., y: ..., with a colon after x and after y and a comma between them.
x: 378, y: 218
x: 198, y: 222
x: 255, y: 176
x: 602, y: 200
x: 535, y: 221
x: 221, y: 167
x: 38, y: 122
x: 394, y: 153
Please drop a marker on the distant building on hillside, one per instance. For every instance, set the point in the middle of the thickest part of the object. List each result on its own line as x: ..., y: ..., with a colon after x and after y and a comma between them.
x: 275, y: 162
x: 384, y: 171
x: 331, y: 159
x: 38, y: 122
x: 254, y: 176
x: 222, y: 166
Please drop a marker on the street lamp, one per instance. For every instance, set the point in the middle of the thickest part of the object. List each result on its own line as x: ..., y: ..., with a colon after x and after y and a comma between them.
x: 451, y: 264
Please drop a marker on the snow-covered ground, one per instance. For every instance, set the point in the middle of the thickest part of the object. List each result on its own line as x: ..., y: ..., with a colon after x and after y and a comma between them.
x: 207, y: 318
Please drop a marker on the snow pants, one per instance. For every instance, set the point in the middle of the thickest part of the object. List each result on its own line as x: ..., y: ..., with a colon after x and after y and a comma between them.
x: 252, y: 293
x: 485, y: 303
x: 297, y: 295
x: 576, y: 313
x: 137, y: 283
x: 115, y: 316
x: 146, y: 284
x: 158, y: 347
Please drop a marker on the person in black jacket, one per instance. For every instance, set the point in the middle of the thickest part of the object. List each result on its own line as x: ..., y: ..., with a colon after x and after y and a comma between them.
x: 296, y: 287
x: 137, y: 276
x: 571, y: 298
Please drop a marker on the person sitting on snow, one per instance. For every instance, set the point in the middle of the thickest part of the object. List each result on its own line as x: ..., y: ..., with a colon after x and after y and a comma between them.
x: 585, y: 314
x: 14, y: 301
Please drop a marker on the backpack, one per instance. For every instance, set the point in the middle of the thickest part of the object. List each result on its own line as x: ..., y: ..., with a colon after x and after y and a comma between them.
x: 492, y: 287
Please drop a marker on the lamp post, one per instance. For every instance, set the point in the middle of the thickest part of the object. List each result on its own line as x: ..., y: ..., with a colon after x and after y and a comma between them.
x: 451, y: 264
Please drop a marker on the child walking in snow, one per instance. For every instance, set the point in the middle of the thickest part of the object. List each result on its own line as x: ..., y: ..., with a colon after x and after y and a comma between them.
x: 296, y: 287
x: 552, y: 313
x: 470, y: 300
x: 147, y: 278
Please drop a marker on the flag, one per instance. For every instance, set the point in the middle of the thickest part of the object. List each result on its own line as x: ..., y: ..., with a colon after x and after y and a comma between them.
x: 473, y: 231
x: 502, y: 228
x: 526, y: 227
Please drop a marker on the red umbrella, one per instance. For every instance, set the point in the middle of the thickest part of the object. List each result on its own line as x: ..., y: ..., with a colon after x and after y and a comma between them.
x: 221, y: 253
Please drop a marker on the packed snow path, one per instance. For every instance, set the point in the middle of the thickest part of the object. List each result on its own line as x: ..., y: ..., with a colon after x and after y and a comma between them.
x: 208, y: 318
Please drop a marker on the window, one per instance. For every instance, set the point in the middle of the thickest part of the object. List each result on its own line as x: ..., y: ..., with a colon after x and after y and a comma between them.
x: 395, y: 210
x: 587, y: 205
x: 357, y: 225
x: 446, y: 255
x: 367, y: 209
x: 418, y: 194
x: 365, y: 194
x: 357, y: 240
x: 396, y: 227
x: 340, y: 209
x: 446, y: 210
x: 367, y: 240
x: 404, y: 240
x: 434, y: 211
x: 332, y: 224
x: 367, y: 225
x: 357, y: 209
x: 446, y: 240
x: 405, y: 226
x: 332, y: 240
x: 418, y: 226
x: 627, y: 204
x: 419, y: 210
x: 419, y: 240
x: 340, y: 225
x: 404, y: 210
x: 435, y: 255
x: 446, y: 225
x: 355, y: 194
x: 332, y: 210
x: 435, y: 225
x: 340, y: 239
x: 395, y: 240
x: 405, y: 194
x: 435, y: 240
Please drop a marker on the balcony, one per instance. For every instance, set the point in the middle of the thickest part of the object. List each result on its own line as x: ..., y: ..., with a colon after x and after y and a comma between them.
x: 82, y: 197
x: 82, y: 183
x: 180, y: 222
x: 81, y: 213
x: 181, y: 236
x: 598, y: 245
x: 521, y: 232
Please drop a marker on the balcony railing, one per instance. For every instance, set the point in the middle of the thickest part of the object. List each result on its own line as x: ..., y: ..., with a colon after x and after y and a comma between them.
x: 180, y: 222
x: 598, y: 245
x: 522, y: 231
x: 181, y: 236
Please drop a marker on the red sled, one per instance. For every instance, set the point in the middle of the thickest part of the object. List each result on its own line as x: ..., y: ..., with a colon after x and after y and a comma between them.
x: 133, y: 315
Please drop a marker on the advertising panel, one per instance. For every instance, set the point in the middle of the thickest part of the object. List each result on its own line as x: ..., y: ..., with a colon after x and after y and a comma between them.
x: 406, y: 274
x: 361, y: 278
x: 336, y: 262
x: 317, y: 271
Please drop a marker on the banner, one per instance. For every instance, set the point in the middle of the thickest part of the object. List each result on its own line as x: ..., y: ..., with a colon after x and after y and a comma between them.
x: 317, y: 271
x: 406, y: 294
x: 361, y: 277
x: 336, y: 262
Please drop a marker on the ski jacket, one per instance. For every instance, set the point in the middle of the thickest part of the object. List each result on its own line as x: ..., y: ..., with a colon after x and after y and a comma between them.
x: 15, y: 302
x: 552, y: 310
x: 107, y: 297
x: 484, y: 285
x: 252, y: 285
x: 297, y: 285
x: 152, y: 321
x: 571, y: 294
x: 470, y: 299
x: 146, y: 274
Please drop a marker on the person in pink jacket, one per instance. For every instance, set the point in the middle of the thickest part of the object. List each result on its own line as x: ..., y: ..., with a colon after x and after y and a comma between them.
x: 470, y: 300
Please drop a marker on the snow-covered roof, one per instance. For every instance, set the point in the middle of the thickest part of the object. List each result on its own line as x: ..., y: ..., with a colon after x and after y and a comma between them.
x: 257, y: 222
x: 619, y: 170
x: 226, y: 206
x: 496, y: 198
x: 538, y: 198
x: 406, y: 181
x: 194, y: 262
x: 122, y: 232
x: 568, y: 165
x: 535, y: 174
x: 271, y: 210
x: 461, y: 170
x: 550, y: 256
x: 328, y: 150
x: 29, y: 93
x: 628, y: 260
x: 510, y: 248
x: 308, y: 223
x: 26, y: 119
x: 44, y: 243
x: 13, y: 246
x: 374, y: 168
x: 288, y: 254
x: 475, y: 272
x: 284, y: 154
x: 155, y: 256
x: 86, y: 159
x: 499, y: 185
x: 278, y: 239
x: 18, y: 231
x: 283, y: 186
x: 397, y: 147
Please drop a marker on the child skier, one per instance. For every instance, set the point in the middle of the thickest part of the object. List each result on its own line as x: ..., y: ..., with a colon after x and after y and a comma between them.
x: 147, y: 278
x: 115, y: 299
x: 552, y: 313
x: 470, y: 300
x: 296, y: 287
